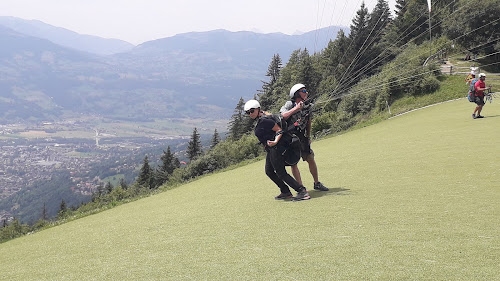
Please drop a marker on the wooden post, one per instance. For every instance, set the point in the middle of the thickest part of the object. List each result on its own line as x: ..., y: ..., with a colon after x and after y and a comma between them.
x: 451, y: 69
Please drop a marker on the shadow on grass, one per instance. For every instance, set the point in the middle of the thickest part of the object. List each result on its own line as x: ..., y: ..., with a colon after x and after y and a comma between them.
x: 316, y: 194
x: 332, y: 191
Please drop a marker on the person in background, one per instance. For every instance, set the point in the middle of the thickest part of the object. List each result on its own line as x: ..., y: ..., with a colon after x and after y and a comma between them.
x: 291, y: 112
x: 270, y: 134
x: 474, y: 69
x: 480, y: 87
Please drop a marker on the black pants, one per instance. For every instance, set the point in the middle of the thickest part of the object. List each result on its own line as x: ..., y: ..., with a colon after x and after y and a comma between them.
x: 275, y: 170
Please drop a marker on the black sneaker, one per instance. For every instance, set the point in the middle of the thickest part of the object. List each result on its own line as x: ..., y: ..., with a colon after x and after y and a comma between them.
x: 480, y: 116
x: 302, y: 195
x: 473, y: 116
x: 319, y: 186
x: 284, y: 196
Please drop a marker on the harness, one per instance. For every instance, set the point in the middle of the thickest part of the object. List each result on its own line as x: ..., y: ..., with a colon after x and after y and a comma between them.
x: 299, y: 120
x: 289, y: 145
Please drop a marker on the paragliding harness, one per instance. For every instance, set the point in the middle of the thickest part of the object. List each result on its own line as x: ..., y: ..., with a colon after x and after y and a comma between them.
x: 489, y: 96
x: 289, y: 145
x: 302, y: 117
x: 471, y: 96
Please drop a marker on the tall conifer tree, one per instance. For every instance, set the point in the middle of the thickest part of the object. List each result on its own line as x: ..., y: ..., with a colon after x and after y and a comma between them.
x: 215, y: 139
x: 146, y: 174
x: 194, y: 149
x: 236, y: 124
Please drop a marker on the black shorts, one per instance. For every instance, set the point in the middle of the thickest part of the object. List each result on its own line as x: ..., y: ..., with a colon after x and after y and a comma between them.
x: 479, y: 100
x: 305, y: 148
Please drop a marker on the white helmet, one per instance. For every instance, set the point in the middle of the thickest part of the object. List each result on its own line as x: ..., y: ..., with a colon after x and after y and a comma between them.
x: 295, y: 88
x: 251, y: 104
x: 482, y: 75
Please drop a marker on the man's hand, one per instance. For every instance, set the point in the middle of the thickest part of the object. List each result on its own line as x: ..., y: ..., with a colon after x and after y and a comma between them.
x: 299, y: 106
x: 271, y: 143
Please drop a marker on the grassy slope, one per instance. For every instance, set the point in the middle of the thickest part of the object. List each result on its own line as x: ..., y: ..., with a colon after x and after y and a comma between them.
x: 410, y: 199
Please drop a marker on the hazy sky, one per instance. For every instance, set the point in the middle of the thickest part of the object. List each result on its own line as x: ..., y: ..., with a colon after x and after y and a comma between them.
x: 137, y: 21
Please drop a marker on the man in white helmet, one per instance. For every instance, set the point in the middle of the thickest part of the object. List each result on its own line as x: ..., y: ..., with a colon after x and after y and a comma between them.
x: 271, y: 135
x: 480, y: 87
x: 293, y: 112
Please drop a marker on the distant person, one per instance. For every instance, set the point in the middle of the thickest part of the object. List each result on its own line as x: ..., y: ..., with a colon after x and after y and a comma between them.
x: 270, y: 134
x: 473, y: 69
x: 294, y: 111
x: 480, y: 87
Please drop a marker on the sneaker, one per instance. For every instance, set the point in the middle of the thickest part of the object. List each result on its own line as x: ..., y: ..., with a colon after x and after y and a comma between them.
x: 319, y: 186
x: 480, y: 116
x: 473, y: 116
x: 283, y: 196
x: 302, y: 195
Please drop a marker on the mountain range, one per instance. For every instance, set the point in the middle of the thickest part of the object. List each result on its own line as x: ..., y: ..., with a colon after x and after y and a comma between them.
x: 48, y: 73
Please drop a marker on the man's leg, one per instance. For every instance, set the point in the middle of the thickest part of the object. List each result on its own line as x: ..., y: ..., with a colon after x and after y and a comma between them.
x: 313, y: 168
x: 476, y: 109
x: 296, y: 173
x: 270, y: 172
x: 479, y: 110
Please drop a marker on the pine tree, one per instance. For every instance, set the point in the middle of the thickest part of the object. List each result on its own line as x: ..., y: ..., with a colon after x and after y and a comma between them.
x: 400, y: 8
x: 194, y: 149
x: 62, y: 209
x: 123, y: 184
x: 215, y: 139
x: 235, y: 127
x: 4, y: 223
x: 412, y: 23
x: 274, y: 68
x: 267, y: 95
x: 146, y: 174
x: 108, y: 187
x: 307, y: 74
x: 334, y: 60
x: 378, y: 22
x: 100, y: 190
x: 379, y: 19
x: 168, y: 164
x: 359, y: 28
x: 45, y: 215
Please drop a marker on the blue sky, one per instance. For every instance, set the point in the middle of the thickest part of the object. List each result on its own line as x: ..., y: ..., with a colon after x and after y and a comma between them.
x: 137, y: 21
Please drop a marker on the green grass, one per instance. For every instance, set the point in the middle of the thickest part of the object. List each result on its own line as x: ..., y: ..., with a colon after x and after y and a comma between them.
x: 411, y: 199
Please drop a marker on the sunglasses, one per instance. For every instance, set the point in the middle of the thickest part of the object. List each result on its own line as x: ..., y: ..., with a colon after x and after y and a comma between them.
x: 250, y: 111
x: 303, y: 91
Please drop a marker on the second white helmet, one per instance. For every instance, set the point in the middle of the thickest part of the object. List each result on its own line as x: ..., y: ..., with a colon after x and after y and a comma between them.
x: 295, y: 88
x: 251, y: 104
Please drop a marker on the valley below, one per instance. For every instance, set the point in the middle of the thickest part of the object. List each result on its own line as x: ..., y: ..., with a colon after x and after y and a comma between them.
x: 89, y: 151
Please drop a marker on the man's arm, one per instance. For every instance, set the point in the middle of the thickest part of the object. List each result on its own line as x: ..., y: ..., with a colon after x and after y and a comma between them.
x: 287, y: 110
x: 481, y: 89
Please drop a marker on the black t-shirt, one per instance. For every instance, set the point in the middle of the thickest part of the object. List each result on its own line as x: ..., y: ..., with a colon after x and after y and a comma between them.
x: 264, y: 130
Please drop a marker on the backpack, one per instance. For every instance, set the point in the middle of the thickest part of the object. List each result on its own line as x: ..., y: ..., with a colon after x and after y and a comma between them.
x: 471, y: 96
x: 290, y: 143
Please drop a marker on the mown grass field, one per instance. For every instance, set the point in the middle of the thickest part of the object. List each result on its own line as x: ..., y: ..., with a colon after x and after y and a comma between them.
x: 416, y: 197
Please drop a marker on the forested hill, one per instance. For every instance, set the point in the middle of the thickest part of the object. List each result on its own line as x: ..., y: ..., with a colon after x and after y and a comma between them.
x: 49, y: 74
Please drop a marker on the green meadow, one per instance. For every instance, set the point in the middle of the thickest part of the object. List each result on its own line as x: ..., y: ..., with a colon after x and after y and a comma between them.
x: 415, y: 197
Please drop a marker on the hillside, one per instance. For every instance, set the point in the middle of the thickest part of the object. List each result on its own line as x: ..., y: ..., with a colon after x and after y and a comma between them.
x: 410, y: 199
